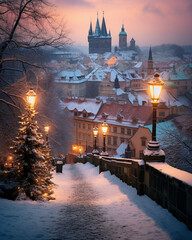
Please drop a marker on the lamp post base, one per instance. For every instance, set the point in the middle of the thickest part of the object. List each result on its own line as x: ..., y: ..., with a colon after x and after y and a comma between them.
x: 104, y: 153
x: 95, y: 151
x: 153, y: 153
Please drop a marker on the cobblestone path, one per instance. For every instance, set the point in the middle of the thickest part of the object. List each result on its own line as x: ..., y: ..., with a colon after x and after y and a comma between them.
x: 96, y: 207
x: 81, y: 219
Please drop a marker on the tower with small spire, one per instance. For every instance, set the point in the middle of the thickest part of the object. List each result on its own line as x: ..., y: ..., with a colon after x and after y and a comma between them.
x: 150, y: 69
x: 123, y: 39
x: 100, y: 40
x: 132, y: 44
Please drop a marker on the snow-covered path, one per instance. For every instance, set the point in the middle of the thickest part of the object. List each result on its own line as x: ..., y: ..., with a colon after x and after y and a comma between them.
x: 89, y: 206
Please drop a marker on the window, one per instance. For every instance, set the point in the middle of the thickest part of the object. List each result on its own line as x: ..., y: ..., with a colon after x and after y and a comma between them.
x: 83, y: 125
x: 114, y: 141
x: 84, y: 136
x: 115, y: 129
x: 128, y: 131
x: 162, y: 114
x: 89, y: 126
x: 109, y: 140
x: 79, y: 125
x: 79, y: 135
x: 143, y: 142
x: 84, y: 115
x: 75, y: 113
x: 122, y: 140
x: 122, y: 130
x: 89, y: 138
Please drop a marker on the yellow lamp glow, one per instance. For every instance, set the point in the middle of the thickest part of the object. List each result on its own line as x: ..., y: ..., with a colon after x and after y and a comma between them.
x: 46, y: 128
x: 31, y: 97
x: 104, y: 128
x: 95, y: 131
x: 155, y: 86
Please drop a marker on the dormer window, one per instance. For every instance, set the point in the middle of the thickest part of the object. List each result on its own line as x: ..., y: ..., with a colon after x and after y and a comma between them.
x: 119, y: 117
x: 104, y: 115
x: 75, y: 112
x: 135, y: 120
x: 84, y: 114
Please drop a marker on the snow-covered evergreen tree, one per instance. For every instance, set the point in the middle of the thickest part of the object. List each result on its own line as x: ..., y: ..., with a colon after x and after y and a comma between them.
x: 32, y: 160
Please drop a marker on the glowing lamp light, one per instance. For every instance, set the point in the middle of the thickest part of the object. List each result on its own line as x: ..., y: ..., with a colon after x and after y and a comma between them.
x: 95, y: 131
x: 155, y: 86
x: 46, y: 128
x: 31, y: 97
x: 104, y: 128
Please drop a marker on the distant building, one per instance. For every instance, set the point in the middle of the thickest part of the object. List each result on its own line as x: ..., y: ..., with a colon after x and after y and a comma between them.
x: 123, y: 39
x: 100, y: 40
x: 132, y: 44
x: 150, y: 69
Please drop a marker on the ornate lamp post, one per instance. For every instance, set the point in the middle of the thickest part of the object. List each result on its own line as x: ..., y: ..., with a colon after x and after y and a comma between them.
x: 104, y: 130
x: 153, y: 152
x: 31, y: 97
x: 155, y: 86
x: 95, y: 133
x: 46, y: 129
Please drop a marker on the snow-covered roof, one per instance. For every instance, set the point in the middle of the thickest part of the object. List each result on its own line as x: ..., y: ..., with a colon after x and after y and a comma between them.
x: 132, y: 116
x: 131, y: 74
x: 178, y: 76
x: 96, y: 75
x: 166, y: 97
x: 138, y: 65
x: 90, y: 106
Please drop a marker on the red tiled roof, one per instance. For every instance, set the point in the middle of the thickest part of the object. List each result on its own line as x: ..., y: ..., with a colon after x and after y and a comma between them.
x: 142, y: 113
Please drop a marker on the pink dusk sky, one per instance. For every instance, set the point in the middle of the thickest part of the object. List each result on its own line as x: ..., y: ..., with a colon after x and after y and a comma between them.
x: 149, y: 22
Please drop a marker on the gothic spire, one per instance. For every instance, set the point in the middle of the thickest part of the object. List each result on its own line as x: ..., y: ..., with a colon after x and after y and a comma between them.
x: 103, y: 28
x: 97, y: 28
x: 90, y: 29
x: 116, y: 83
x: 150, y: 55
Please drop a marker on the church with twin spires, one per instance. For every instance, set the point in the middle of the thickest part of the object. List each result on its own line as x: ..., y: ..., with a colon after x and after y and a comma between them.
x: 100, y: 40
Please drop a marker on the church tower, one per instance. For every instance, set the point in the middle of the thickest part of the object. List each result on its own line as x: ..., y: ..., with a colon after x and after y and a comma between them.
x: 123, y: 39
x: 132, y: 44
x: 150, y: 69
x: 100, y: 40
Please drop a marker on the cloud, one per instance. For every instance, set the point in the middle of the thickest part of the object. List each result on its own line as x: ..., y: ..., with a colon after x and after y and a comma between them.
x: 150, y: 8
x: 83, y: 3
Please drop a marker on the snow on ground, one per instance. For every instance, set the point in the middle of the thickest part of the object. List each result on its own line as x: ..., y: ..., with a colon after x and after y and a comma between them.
x: 89, y: 205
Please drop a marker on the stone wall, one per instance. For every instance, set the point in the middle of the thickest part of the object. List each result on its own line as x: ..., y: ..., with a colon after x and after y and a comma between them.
x: 169, y: 192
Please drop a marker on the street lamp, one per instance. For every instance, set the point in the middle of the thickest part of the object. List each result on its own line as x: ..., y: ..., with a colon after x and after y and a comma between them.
x: 46, y: 129
x: 31, y: 97
x: 155, y: 86
x: 95, y: 133
x: 153, y: 153
x: 104, y: 130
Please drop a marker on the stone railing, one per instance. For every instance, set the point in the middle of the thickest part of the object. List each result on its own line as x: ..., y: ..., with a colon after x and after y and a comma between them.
x: 168, y: 191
